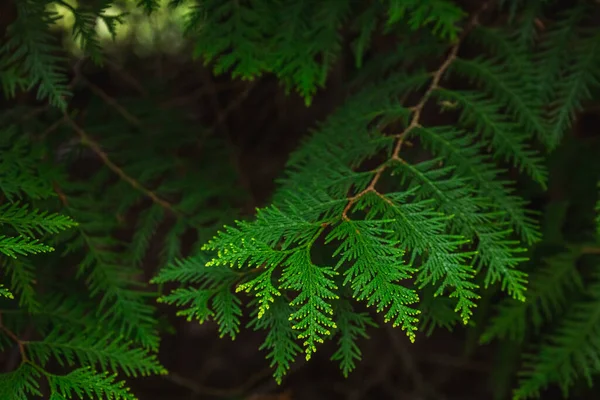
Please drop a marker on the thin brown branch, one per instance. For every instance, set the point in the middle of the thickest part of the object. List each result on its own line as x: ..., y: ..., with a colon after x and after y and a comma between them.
x: 233, y: 105
x: 590, y: 250
x: 14, y: 338
x: 111, y: 102
x: 87, y: 140
x: 370, y: 188
x: 126, y: 77
x: 55, y: 125
x: 61, y: 195
x: 417, y: 110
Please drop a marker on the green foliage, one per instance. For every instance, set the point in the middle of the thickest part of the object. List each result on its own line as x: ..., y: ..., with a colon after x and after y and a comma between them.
x: 443, y: 15
x: 557, y: 325
x: 28, y: 54
x: 411, y: 200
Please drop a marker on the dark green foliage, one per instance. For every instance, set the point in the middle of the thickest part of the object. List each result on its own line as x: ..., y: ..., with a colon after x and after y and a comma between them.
x: 383, y: 207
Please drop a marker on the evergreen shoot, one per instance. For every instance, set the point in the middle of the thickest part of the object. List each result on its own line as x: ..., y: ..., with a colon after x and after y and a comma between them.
x: 413, y: 203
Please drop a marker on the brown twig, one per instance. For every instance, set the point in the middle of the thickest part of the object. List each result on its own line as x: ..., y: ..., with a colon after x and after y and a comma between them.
x: 61, y: 195
x: 590, y: 250
x: 15, y: 338
x: 371, y: 188
x: 87, y: 140
x: 221, y: 116
x: 126, y: 77
x: 111, y: 102
x: 417, y: 110
x: 55, y: 125
x: 233, y: 105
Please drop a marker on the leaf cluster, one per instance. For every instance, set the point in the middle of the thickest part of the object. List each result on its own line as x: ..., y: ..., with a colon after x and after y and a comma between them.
x: 383, y: 213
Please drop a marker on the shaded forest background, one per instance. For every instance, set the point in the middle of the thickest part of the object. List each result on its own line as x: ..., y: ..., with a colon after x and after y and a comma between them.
x: 261, y: 124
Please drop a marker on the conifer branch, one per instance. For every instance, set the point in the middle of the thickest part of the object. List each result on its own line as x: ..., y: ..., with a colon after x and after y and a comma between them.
x: 410, y: 251
x: 418, y: 109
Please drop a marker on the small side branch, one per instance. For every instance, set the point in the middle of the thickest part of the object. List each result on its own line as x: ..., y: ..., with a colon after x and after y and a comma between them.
x: 87, y: 140
x: 15, y: 338
x: 417, y: 110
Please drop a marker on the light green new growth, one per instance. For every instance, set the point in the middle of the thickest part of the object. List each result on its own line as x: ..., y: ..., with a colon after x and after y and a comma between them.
x: 388, y: 244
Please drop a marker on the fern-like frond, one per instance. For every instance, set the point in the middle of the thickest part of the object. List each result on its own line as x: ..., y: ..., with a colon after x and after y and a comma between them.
x: 12, y: 81
x: 89, y: 347
x: 442, y: 16
x: 578, y: 78
x: 313, y: 26
x: 85, y: 19
x: 436, y: 311
x: 546, y: 297
x: 477, y: 217
x: 31, y: 223
x: 66, y: 311
x: 418, y: 227
x: 556, y: 47
x: 30, y: 47
x: 112, y: 278
x: 280, y: 340
x: 376, y: 270
x: 292, y: 230
x: 147, y: 224
x: 21, y: 275
x: 212, y: 299
x: 466, y: 152
x: 351, y: 325
x: 507, y: 138
x: 313, y: 314
x: 570, y: 352
x: 366, y: 24
x: 22, y: 246
x: 506, y: 87
x: 20, y: 384
x: 85, y: 383
x: 299, y: 41
x: 21, y: 171
x: 473, y: 216
x: 220, y: 26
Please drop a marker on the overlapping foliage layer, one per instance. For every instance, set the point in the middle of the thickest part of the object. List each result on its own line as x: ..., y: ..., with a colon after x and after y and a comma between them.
x: 384, y: 209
